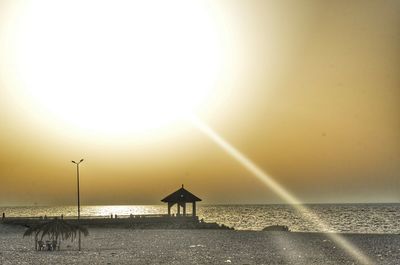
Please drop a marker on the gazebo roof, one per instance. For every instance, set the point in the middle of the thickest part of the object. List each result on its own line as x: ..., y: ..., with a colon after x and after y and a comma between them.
x: 181, y: 195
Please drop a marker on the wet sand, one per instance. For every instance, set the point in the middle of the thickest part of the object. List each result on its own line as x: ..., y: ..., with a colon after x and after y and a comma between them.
x: 124, y: 246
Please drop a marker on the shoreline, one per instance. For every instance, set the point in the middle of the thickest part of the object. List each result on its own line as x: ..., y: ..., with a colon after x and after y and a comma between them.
x: 191, y: 226
x: 370, y: 218
x: 131, y: 221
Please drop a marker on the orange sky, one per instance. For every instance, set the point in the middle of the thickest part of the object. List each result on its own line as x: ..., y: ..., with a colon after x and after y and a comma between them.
x: 309, y: 91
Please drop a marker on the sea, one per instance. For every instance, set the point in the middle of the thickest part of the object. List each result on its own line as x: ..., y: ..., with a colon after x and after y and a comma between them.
x: 343, y: 218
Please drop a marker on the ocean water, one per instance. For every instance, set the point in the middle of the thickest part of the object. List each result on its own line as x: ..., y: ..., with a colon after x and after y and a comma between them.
x: 347, y: 218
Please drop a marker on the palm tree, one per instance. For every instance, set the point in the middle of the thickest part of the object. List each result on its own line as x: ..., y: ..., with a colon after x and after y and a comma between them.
x: 57, y: 230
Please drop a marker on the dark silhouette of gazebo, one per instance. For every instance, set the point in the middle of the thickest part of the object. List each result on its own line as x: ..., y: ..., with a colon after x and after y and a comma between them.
x: 181, y: 197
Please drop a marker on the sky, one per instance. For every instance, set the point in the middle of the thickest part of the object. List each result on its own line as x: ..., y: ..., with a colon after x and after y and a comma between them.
x: 308, y: 90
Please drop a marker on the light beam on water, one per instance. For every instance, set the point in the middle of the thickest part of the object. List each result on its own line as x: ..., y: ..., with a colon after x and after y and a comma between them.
x: 270, y: 182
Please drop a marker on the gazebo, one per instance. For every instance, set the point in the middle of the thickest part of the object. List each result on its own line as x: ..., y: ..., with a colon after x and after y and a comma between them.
x: 181, y: 197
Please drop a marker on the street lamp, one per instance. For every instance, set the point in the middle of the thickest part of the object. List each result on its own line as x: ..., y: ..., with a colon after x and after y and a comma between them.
x: 79, y: 200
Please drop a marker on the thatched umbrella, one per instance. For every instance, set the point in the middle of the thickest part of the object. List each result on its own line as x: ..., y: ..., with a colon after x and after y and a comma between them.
x: 56, y: 230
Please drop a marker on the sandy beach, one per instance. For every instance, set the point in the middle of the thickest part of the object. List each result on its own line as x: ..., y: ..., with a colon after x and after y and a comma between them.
x: 124, y: 246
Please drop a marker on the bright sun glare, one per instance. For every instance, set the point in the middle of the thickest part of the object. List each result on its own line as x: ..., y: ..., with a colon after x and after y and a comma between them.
x: 123, y: 67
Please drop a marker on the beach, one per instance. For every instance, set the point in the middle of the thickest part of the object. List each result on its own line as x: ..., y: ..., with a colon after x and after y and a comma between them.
x: 128, y: 246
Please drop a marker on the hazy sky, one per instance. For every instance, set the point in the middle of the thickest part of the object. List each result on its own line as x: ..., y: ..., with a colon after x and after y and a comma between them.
x: 309, y: 90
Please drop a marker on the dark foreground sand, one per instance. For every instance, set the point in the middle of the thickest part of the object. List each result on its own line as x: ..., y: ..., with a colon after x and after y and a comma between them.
x: 122, y: 246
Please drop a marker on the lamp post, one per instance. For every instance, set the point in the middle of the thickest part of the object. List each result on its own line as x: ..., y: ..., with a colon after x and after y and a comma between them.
x: 79, y: 200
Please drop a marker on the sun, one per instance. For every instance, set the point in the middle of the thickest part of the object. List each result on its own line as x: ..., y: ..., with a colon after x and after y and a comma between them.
x: 116, y: 66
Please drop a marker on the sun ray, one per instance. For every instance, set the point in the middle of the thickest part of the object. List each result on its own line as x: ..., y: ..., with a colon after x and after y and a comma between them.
x: 270, y: 182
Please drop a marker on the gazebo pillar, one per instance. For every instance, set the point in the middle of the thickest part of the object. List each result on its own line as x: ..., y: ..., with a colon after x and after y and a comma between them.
x: 169, y: 208
x: 179, y: 209
x: 194, y: 209
x: 184, y: 209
